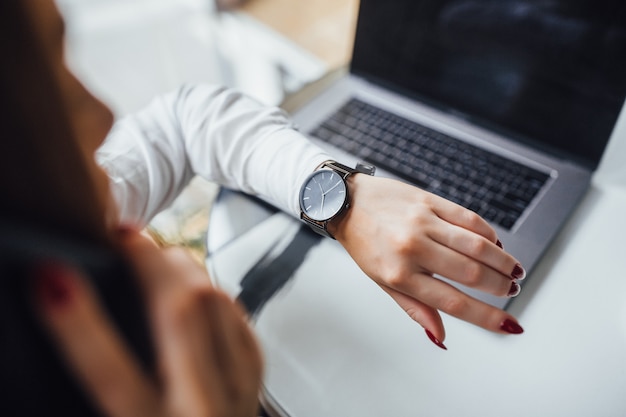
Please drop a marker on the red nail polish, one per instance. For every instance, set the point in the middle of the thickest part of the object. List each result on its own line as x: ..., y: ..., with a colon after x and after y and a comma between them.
x: 499, y: 244
x: 52, y: 285
x: 435, y: 340
x: 518, y: 272
x: 512, y: 327
x: 515, y: 290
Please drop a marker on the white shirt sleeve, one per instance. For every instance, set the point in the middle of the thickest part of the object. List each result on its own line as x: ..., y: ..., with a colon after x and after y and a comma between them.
x: 210, y: 131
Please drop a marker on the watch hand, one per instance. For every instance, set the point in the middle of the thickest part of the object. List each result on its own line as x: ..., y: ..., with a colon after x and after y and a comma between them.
x: 320, y: 185
x: 332, y: 188
x: 323, y: 194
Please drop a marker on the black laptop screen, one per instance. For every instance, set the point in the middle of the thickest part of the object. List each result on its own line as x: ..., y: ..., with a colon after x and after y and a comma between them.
x: 552, y: 71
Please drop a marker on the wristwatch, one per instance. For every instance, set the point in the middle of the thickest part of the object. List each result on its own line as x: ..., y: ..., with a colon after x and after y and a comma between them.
x: 324, y: 194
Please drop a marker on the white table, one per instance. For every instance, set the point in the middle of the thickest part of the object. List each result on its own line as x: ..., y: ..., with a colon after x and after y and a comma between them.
x: 336, y: 345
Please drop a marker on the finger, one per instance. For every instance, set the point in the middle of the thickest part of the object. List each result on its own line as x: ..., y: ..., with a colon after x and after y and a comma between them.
x: 176, y: 289
x: 462, y: 217
x: 91, y: 346
x: 189, y: 356
x: 238, y: 353
x: 450, y: 300
x: 228, y: 325
x: 202, y: 363
x: 441, y: 260
x: 426, y: 316
x: 478, y: 248
x: 205, y: 363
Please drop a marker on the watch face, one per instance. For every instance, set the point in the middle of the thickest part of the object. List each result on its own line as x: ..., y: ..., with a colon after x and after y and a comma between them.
x: 323, y: 195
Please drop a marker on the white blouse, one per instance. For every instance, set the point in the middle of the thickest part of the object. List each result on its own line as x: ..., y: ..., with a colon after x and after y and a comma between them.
x: 214, y: 132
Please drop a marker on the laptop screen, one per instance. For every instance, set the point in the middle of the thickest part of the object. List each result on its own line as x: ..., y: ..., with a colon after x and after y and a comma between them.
x: 549, y: 71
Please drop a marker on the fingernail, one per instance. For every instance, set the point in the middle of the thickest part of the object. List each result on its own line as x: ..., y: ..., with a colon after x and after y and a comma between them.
x: 512, y: 327
x: 514, y: 290
x: 499, y: 244
x: 435, y: 340
x: 52, y: 285
x: 518, y: 272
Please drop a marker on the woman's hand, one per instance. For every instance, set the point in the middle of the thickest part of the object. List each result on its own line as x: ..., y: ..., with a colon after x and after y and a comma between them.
x: 401, y: 236
x: 209, y: 362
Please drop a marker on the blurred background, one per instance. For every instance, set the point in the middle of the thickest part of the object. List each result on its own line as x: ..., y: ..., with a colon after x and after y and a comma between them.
x: 128, y: 51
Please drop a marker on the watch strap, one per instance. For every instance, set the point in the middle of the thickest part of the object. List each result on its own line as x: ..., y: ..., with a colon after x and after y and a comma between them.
x: 345, y: 170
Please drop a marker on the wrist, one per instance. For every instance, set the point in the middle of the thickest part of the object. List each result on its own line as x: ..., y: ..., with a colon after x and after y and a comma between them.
x: 325, y: 196
x: 338, y: 225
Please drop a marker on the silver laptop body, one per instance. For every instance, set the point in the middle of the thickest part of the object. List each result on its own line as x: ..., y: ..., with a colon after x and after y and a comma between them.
x: 517, y: 62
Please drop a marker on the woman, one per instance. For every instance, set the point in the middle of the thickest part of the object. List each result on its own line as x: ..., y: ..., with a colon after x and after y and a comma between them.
x: 192, y: 355
x: 400, y: 240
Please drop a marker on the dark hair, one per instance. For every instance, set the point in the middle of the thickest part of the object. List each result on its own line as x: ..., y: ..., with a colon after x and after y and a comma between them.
x: 44, y: 178
x: 50, y: 210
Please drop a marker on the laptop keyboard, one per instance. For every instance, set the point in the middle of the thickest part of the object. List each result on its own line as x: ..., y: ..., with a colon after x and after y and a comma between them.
x: 493, y: 186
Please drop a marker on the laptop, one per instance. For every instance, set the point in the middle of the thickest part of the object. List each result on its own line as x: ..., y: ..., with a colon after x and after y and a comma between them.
x: 502, y: 106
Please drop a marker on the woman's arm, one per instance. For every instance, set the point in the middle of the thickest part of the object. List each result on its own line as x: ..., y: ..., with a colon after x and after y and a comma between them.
x: 217, y: 133
x: 399, y: 235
